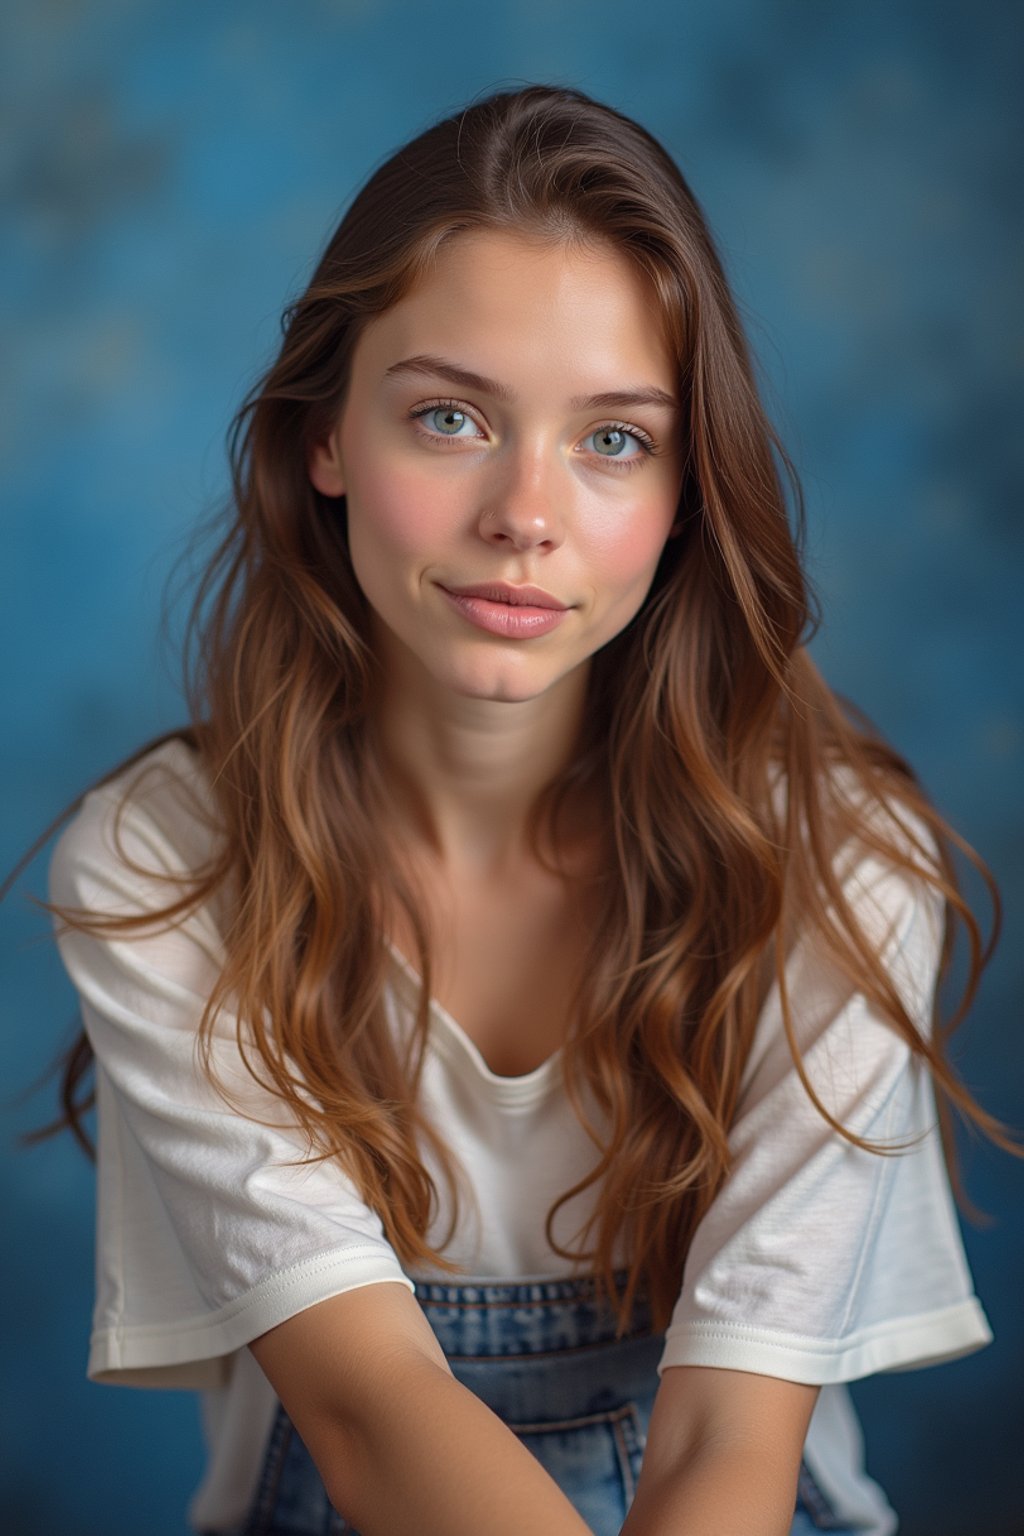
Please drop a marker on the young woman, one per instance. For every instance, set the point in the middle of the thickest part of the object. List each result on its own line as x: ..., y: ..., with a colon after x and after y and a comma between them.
x: 513, y: 996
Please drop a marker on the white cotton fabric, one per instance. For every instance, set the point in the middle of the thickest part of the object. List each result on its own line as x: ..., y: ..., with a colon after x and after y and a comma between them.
x: 817, y: 1262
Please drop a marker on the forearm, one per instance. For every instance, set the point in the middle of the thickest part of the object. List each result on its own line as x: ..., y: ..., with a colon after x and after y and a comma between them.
x: 430, y: 1459
x: 718, y: 1490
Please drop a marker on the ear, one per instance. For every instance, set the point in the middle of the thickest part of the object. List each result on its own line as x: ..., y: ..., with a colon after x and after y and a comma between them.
x: 326, y: 470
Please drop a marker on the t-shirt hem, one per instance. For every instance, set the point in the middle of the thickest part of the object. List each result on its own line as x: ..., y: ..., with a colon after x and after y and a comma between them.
x: 906, y: 1343
x: 191, y: 1352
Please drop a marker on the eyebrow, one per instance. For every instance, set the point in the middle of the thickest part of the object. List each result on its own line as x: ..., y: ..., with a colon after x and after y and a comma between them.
x: 613, y: 399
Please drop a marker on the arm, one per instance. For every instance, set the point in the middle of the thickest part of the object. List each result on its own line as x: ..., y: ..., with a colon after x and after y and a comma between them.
x: 722, y: 1456
x: 402, y: 1447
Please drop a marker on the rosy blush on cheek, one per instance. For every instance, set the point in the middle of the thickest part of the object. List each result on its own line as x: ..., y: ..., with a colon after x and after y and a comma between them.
x: 629, y: 558
x: 403, y: 510
x: 626, y: 556
x: 623, y: 563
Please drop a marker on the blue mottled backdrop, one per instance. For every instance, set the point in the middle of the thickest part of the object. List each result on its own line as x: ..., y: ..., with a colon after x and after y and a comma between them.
x: 169, y: 172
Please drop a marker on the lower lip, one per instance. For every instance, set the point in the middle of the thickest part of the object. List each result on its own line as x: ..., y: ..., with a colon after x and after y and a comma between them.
x: 511, y: 621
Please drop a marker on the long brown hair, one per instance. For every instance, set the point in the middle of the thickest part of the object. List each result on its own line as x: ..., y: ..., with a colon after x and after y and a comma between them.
x: 722, y: 759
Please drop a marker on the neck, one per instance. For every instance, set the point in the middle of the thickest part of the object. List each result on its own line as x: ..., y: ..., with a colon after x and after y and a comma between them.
x: 462, y: 774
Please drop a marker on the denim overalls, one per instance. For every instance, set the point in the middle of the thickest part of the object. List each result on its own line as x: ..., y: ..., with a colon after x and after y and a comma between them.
x: 543, y: 1356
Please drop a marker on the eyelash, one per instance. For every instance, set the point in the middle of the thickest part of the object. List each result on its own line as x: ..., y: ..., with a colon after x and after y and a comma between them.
x: 647, y: 443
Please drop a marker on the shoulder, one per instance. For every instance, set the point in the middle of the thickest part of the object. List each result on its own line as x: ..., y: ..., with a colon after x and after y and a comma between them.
x: 875, y: 846
x: 868, y: 913
x: 152, y: 820
x: 888, y: 864
x: 139, y: 926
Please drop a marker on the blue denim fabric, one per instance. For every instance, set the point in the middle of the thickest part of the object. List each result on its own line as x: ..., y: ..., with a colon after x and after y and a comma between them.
x: 544, y: 1357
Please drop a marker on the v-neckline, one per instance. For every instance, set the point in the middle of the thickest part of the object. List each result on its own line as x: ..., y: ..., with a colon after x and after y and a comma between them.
x: 439, y: 1012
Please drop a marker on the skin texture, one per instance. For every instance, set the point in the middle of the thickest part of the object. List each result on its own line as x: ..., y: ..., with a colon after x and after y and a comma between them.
x: 722, y: 1456
x: 474, y: 725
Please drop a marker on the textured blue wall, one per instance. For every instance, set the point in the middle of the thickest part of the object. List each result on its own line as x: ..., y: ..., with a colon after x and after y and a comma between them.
x: 169, y: 172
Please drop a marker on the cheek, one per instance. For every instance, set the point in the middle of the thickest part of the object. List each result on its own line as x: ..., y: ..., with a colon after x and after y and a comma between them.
x: 394, y: 507
x: 632, y: 557
x: 626, y: 543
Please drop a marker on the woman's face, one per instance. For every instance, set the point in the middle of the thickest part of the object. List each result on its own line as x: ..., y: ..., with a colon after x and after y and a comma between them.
x: 512, y: 420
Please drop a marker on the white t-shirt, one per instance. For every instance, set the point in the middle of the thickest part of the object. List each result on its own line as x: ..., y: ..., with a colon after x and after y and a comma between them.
x: 818, y: 1262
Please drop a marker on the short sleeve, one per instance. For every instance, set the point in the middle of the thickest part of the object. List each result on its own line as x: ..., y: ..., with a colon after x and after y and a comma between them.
x: 206, y: 1237
x: 818, y: 1261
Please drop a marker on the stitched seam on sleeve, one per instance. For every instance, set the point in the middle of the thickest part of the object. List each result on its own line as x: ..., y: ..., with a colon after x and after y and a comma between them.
x: 807, y: 1343
x: 265, y: 1290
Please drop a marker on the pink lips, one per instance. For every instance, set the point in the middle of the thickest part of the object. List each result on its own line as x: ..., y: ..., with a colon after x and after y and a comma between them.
x: 503, y: 592
x: 516, y: 613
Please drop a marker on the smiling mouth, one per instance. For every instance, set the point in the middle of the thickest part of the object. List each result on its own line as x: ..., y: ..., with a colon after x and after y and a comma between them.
x: 510, y: 618
x: 523, y: 596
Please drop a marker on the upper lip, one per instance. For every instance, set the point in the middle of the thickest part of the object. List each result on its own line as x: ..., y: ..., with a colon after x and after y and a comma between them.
x: 504, y: 592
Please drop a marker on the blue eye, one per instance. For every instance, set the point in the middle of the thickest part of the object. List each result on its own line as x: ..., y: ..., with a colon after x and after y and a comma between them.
x: 445, y: 420
x: 611, y: 441
x: 448, y: 422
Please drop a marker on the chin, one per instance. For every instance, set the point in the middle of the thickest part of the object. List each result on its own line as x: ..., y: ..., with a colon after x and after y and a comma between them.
x: 505, y: 685
x: 504, y: 692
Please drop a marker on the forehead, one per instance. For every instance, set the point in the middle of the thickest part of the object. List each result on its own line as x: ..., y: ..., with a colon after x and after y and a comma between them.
x: 526, y: 311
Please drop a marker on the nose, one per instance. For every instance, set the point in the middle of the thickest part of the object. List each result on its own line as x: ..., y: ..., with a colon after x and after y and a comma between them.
x: 523, y: 503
